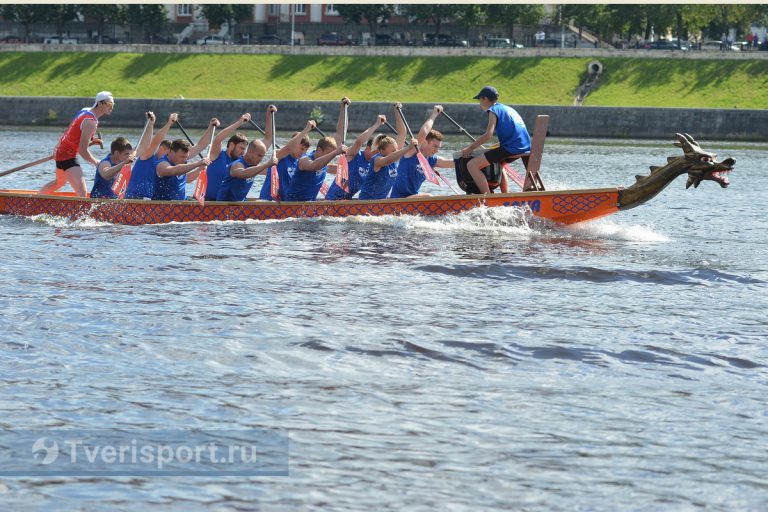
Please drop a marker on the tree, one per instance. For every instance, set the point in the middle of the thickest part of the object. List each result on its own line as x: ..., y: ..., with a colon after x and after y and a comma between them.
x: 373, y: 14
x: 218, y: 14
x: 468, y: 16
x: 509, y: 14
x: 103, y: 14
x: 27, y: 15
x: 435, y: 14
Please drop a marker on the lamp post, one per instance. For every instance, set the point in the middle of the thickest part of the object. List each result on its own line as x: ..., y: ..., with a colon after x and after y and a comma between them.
x: 293, y: 21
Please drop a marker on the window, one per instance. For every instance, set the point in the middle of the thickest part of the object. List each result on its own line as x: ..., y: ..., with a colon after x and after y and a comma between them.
x: 184, y: 10
x: 274, y: 9
x: 299, y: 9
x: 330, y: 10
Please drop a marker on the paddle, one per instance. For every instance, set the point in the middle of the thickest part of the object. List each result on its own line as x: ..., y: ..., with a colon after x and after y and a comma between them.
x: 511, y: 173
x: 274, y: 178
x: 429, y: 173
x: 123, y: 177
x: 26, y: 166
x: 202, y: 180
x: 258, y: 128
x: 342, y: 171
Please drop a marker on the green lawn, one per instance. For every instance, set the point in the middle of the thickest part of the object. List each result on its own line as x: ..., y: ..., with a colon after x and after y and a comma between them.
x: 547, y: 81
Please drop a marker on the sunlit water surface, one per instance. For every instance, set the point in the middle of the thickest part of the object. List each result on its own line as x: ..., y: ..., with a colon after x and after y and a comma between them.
x: 476, y: 362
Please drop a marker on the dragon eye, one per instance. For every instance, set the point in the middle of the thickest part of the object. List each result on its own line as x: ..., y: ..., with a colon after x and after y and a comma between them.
x: 706, y: 158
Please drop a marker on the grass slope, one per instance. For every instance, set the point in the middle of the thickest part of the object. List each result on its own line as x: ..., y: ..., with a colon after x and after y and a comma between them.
x: 547, y: 81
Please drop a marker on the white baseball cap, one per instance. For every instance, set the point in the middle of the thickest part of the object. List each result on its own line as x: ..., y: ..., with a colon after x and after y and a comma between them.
x: 104, y: 96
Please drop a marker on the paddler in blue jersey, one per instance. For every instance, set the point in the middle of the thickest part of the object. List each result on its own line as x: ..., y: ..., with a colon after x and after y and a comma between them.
x: 151, y: 148
x: 287, y: 157
x: 173, y: 170
x: 120, y: 154
x: 241, y: 173
x: 513, y: 136
x: 410, y: 175
x: 221, y: 160
x: 383, y: 168
x: 312, y: 168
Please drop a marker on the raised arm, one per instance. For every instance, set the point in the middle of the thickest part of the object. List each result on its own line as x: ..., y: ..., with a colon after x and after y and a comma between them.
x: 239, y: 171
x: 159, y: 136
x: 363, y: 137
x: 341, y: 124
x: 269, y: 137
x: 394, y: 157
x: 146, y: 135
x: 225, y: 134
x: 305, y: 164
x: 205, y: 139
x: 295, y: 140
x: 425, y: 128
x: 164, y: 169
x: 88, y: 128
x: 399, y: 126
x: 488, y: 135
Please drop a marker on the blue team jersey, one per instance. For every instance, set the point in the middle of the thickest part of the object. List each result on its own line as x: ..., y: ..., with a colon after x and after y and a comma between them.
x: 170, y: 188
x: 356, y: 165
x: 376, y: 185
x: 306, y: 184
x: 286, y: 170
x: 102, y: 187
x: 410, y: 176
x: 143, y: 179
x: 217, y: 171
x: 510, y: 129
x: 235, y: 189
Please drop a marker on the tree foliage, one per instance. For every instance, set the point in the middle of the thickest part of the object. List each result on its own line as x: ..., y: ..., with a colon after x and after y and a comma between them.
x: 372, y: 14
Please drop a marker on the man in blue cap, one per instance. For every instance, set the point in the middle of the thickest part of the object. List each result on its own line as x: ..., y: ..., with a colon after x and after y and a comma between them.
x: 508, y: 126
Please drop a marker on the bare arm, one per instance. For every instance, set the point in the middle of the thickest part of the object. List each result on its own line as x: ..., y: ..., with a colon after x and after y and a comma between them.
x: 399, y: 126
x: 363, y: 137
x: 341, y: 123
x: 305, y: 164
x: 146, y: 135
x: 445, y: 163
x: 108, y: 172
x: 164, y: 169
x: 225, y: 134
x: 159, y: 136
x: 269, y: 137
x: 205, y: 139
x: 295, y: 140
x: 488, y: 135
x: 88, y: 127
x: 394, y: 157
x: 238, y: 171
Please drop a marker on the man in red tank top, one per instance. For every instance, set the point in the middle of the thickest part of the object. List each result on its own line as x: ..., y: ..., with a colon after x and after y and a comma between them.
x: 74, y: 142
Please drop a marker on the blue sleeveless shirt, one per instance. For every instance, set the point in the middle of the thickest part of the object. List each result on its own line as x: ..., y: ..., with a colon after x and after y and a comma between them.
x: 102, y: 187
x: 235, y: 189
x: 376, y: 185
x: 355, y: 179
x: 143, y: 179
x: 170, y: 188
x: 286, y: 170
x: 217, y: 172
x: 410, y: 176
x: 306, y: 184
x: 510, y: 129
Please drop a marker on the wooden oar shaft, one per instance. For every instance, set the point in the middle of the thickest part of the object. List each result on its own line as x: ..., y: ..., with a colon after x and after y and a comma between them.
x: 26, y: 166
x: 461, y: 128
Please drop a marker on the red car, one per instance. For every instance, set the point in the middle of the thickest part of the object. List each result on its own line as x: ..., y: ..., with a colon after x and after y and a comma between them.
x: 11, y: 40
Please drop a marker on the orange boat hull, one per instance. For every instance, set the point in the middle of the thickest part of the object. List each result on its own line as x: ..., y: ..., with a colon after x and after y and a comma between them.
x: 561, y: 206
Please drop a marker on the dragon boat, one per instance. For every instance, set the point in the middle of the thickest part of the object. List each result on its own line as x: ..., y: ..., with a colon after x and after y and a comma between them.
x: 560, y: 206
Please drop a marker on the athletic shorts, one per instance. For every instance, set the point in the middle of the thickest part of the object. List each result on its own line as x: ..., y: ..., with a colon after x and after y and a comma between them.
x: 497, y: 155
x: 66, y: 164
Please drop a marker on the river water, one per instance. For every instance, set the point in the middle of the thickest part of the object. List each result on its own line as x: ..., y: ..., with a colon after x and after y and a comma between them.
x: 478, y: 362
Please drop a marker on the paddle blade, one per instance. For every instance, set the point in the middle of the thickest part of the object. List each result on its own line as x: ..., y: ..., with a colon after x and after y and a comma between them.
x: 342, y: 173
x: 324, y: 189
x: 121, y: 181
x: 429, y: 173
x: 274, y: 182
x: 201, y: 186
x: 513, y: 175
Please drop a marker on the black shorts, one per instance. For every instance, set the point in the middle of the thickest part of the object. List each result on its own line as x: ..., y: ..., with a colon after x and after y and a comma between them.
x: 66, y: 164
x: 497, y: 155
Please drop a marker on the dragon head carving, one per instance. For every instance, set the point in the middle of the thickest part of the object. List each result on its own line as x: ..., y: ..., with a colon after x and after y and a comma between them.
x: 703, y: 165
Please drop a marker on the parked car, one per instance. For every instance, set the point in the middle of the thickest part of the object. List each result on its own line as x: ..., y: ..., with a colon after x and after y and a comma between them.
x: 11, y: 40
x: 59, y: 40
x: 382, y: 40
x: 718, y: 46
x: 444, y: 40
x: 105, y: 40
x: 501, y: 42
x: 333, y: 39
x: 270, y: 39
x: 663, y: 44
x: 211, y: 40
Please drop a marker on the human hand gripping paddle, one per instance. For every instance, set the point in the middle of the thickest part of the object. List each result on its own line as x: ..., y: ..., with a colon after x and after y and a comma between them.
x: 274, y: 183
x: 202, y: 180
x: 429, y: 173
x: 511, y: 173
x: 342, y: 172
x: 123, y: 177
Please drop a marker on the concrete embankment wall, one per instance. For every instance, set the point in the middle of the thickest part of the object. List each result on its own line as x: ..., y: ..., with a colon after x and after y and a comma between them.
x: 609, y: 122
